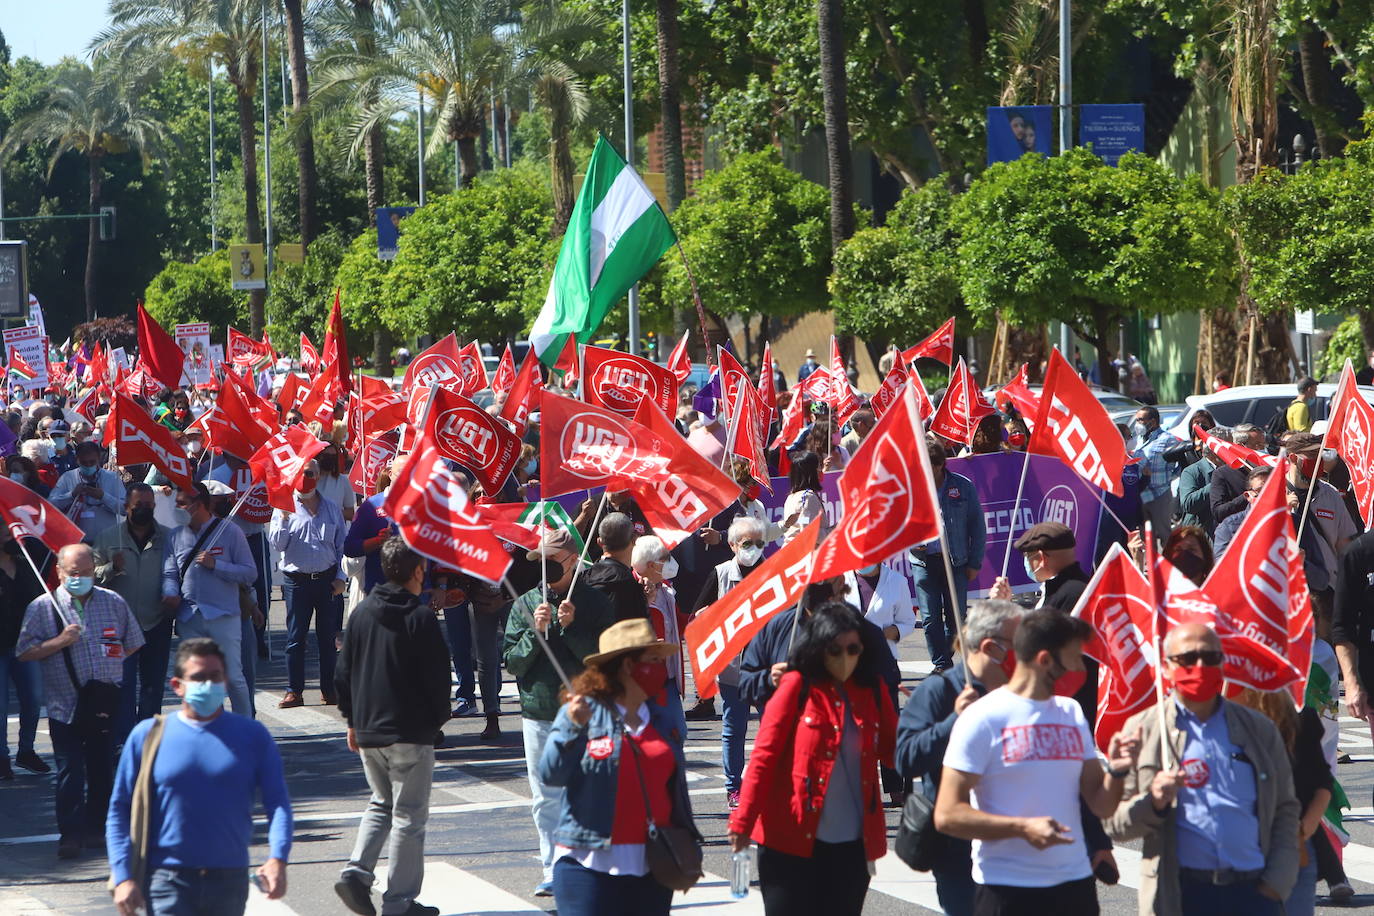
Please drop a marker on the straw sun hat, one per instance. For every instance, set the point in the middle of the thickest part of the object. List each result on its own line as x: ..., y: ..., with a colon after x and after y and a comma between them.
x: 629, y: 636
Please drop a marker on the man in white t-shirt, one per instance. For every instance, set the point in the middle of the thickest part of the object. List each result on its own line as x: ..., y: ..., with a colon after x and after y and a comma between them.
x: 1018, y: 761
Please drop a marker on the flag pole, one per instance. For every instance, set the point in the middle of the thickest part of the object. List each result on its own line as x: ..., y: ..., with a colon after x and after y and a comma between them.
x: 23, y: 548
x: 1097, y: 492
x: 591, y: 533
x: 731, y: 421
x: 543, y: 644
x: 1316, y: 472
x: 1015, y: 507
x: 1166, y: 753
x: 696, y: 300
x: 923, y: 455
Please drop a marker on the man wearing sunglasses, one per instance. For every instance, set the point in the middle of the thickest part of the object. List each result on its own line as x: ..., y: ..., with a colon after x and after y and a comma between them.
x: 310, y: 540
x: 1218, y: 820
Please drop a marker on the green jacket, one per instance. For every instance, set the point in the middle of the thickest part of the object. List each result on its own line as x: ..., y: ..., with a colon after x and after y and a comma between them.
x: 1195, y: 495
x: 140, y: 584
x: 534, y: 674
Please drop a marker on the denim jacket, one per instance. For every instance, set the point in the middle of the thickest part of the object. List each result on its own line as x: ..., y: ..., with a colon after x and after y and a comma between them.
x: 589, y: 804
x: 966, y: 530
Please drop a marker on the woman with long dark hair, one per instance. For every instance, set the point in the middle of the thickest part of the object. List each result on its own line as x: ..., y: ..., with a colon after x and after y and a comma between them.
x: 620, y: 759
x: 812, y: 795
x: 804, y: 502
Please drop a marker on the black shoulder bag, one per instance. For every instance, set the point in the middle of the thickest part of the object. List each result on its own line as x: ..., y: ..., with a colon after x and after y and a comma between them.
x: 918, y: 843
x: 97, y: 702
x: 200, y: 542
x: 671, y: 852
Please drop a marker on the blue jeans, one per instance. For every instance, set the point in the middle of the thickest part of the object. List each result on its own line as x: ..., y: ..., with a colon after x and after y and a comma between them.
x: 579, y: 891
x: 145, y: 678
x: 198, y: 891
x: 1229, y: 900
x: 937, y: 615
x: 262, y: 586
x: 28, y: 687
x: 1302, y: 900
x: 306, y: 598
x: 734, y: 728
x: 458, y: 623
x: 955, y: 889
x: 85, y: 775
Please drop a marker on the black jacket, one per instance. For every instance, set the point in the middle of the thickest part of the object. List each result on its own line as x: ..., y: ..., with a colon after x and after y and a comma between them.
x: 1227, y: 493
x: 1062, y: 593
x: 392, y: 676
x: 1352, y: 618
x: 773, y: 644
x: 614, y: 579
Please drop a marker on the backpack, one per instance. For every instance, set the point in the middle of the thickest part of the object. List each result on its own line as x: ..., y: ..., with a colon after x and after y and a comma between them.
x: 1278, y: 423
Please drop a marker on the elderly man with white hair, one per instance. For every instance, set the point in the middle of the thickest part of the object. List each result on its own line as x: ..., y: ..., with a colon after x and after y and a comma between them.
x: 654, y: 567
x: 746, y: 538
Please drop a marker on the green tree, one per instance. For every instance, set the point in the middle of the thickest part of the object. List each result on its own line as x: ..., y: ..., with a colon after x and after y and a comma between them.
x: 200, y: 291
x: 476, y: 262
x: 757, y: 237
x: 95, y: 112
x: 300, y: 295
x: 1347, y: 342
x: 360, y: 278
x: 1072, y: 239
x: 899, y: 281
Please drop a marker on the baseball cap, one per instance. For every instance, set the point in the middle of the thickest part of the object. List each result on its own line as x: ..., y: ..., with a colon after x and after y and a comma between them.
x: 554, y: 539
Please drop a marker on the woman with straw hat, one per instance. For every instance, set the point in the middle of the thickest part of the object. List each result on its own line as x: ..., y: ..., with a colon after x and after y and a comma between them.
x: 619, y: 756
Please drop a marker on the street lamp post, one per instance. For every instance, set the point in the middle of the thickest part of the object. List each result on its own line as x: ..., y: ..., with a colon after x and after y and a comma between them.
x: 633, y: 305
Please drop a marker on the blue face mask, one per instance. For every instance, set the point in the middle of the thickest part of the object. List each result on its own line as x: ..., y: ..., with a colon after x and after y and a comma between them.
x: 205, y: 697
x: 79, y: 586
x: 59, y: 442
x: 1030, y: 570
x: 531, y: 468
x: 90, y: 471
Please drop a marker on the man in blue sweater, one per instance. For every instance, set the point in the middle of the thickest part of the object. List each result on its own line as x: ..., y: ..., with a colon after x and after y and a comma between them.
x: 208, y: 768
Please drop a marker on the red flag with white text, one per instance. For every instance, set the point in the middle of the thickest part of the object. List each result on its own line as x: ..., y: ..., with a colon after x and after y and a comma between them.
x: 567, y: 362
x: 1073, y: 426
x: 890, y: 389
x: 768, y: 386
x: 617, y: 381
x: 748, y: 417
x: 504, y: 378
x: 373, y: 458
x: 87, y: 404
x: 962, y: 407
x: 938, y: 346
x: 281, y: 461
x: 291, y: 391
x: 310, y: 357
x: 523, y: 398
x: 467, y: 434
x: 246, y: 352
x: 719, y: 632
x: 842, y: 400
x: 887, y: 492
x: 1234, y: 455
x: 31, y: 516
x: 679, y: 362
x: 140, y: 438
x: 1350, y: 431
x: 1017, y: 393
x: 691, y: 490
x: 793, y: 422
x: 439, y: 365
x: 318, y: 401
x: 816, y: 386
x: 472, y: 369
x: 430, y: 506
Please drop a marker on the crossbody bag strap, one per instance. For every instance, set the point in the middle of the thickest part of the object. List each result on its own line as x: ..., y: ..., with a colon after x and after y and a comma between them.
x: 66, y: 650
x: 200, y: 542
x: 639, y: 771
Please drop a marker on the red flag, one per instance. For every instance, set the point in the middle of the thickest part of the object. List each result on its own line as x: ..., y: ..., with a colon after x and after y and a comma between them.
x: 1260, y: 590
x: 432, y: 511
x: 472, y: 369
x: 310, y: 357
x: 373, y: 458
x: 523, y: 398
x: 139, y: 384
x: 842, y: 399
x: 888, y: 494
x: 1350, y: 431
x: 467, y: 434
x: 1073, y: 426
x: 318, y: 402
x: 719, y: 633
x: 617, y: 381
x: 923, y: 404
x: 235, y: 428
x: 291, y: 392
x: 265, y: 414
x: 567, y: 362
x: 31, y: 516
x: 938, y: 346
x: 816, y: 386
x: 963, y: 406
x: 1017, y: 392
x: 280, y: 462
x: 505, y: 373
x: 689, y: 492
x: 890, y: 389
x: 87, y: 405
x: 139, y: 438
x: 158, y: 352
x: 1238, y: 456
x: 246, y: 352
x: 439, y: 365
x: 335, y: 356
x: 768, y: 386
x: 378, y: 413
x: 19, y: 367
x: 679, y: 363
x: 98, y: 369
x: 748, y: 416
x: 793, y: 422
x: 583, y: 446
x: 507, y: 521
x: 1119, y: 605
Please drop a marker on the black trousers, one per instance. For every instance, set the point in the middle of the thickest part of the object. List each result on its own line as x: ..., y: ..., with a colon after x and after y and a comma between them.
x: 832, y: 882
x: 1072, y: 898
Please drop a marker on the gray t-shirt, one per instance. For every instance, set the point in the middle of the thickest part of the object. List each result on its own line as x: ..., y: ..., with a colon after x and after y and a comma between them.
x: 842, y: 816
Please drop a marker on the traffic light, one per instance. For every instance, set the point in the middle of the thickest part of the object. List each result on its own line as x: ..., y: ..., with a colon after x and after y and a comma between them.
x: 107, y: 224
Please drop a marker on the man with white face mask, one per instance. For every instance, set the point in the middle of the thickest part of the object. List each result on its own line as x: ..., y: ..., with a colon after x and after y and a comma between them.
x: 654, y: 568
x: 746, y: 539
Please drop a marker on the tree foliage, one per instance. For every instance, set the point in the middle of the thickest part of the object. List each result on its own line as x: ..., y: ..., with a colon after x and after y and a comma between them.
x: 199, y: 291
x: 899, y: 281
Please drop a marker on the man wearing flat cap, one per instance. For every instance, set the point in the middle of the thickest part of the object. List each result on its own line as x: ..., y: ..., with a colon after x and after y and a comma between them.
x: 570, y: 625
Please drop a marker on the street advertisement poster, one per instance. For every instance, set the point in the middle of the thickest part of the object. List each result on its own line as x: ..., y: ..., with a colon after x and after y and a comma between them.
x: 247, y: 267
x: 29, y: 342
x: 389, y: 230
x: 1112, y: 130
x: 1017, y: 130
x: 194, y: 340
x: 1052, y: 493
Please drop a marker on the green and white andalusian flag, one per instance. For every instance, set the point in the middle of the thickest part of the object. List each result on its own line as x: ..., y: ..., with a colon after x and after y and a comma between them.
x: 616, y: 234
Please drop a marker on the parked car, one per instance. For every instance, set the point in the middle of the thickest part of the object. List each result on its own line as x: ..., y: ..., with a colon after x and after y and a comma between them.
x: 1111, y: 399
x: 1169, y: 414
x: 1255, y: 404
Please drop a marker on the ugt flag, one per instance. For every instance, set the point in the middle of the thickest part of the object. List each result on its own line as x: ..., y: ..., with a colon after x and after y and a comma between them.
x: 617, y: 232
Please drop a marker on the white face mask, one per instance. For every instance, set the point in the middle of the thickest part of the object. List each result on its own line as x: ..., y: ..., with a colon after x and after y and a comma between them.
x: 669, y: 568
x: 748, y: 556
x: 181, y: 517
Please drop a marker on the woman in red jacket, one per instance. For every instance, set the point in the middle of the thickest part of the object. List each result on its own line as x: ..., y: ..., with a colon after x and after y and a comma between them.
x: 812, y: 794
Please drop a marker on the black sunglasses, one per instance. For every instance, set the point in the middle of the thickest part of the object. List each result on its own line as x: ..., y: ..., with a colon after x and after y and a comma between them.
x: 835, y: 651
x: 1212, y: 658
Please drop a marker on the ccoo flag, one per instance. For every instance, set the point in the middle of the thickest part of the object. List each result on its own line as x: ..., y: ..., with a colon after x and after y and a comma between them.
x: 617, y: 232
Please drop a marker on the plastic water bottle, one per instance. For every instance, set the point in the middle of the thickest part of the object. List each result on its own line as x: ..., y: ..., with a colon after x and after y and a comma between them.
x: 739, y: 875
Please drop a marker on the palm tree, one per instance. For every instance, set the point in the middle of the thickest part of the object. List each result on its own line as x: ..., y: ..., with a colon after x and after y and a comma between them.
x: 670, y: 103
x: 96, y: 112
x: 201, y: 32
x: 830, y: 35
x: 308, y: 185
